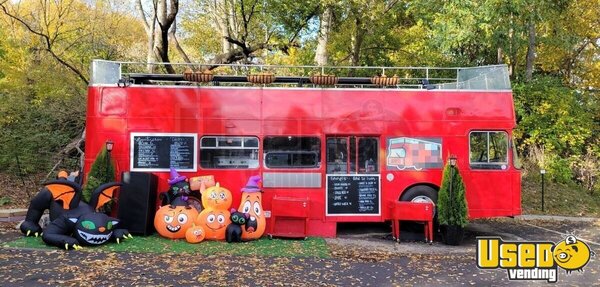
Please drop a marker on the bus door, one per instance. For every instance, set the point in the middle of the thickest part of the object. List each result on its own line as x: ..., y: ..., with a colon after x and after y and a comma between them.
x: 353, y: 182
x: 352, y: 155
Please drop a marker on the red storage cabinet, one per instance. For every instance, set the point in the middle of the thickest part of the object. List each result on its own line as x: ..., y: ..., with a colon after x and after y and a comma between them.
x: 289, y: 217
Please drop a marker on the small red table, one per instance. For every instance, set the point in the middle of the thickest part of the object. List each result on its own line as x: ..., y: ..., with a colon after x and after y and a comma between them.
x: 412, y: 211
x: 290, y: 209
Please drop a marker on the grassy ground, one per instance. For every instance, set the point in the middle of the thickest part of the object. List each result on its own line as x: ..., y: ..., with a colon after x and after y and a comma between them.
x: 559, y: 199
x: 311, y: 247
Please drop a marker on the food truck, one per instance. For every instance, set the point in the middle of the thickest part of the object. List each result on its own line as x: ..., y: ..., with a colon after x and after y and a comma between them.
x: 329, y: 148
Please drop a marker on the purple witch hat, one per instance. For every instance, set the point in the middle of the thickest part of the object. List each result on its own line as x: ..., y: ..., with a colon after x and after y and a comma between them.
x: 252, y: 185
x: 175, y: 177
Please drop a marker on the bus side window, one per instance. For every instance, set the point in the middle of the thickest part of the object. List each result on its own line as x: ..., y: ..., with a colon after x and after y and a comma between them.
x: 227, y: 152
x: 292, y: 152
x: 337, y: 157
x: 367, y: 155
x: 488, y: 150
x: 352, y: 154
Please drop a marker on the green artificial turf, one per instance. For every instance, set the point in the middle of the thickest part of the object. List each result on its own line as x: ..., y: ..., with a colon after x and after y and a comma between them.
x: 311, y: 247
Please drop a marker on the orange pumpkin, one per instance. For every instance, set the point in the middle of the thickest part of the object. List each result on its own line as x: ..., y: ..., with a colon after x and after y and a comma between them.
x: 251, y: 203
x: 173, y: 221
x: 217, y: 197
x: 195, y: 234
x: 214, y: 222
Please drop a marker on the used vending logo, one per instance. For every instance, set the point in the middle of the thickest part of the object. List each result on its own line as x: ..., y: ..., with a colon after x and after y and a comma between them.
x: 533, y: 260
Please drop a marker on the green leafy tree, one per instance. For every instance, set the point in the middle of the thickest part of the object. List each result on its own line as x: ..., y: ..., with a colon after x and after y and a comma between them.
x: 45, y: 52
x: 558, y: 118
x: 102, y: 171
x: 452, y: 203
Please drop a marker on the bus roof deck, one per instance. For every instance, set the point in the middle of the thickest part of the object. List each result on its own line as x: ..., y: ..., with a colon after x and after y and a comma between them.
x: 490, y: 78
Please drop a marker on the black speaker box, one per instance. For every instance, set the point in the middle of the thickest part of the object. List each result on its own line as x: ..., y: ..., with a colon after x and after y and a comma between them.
x: 137, y: 202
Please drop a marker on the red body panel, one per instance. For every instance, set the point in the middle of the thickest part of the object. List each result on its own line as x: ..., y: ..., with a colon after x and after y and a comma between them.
x: 113, y: 113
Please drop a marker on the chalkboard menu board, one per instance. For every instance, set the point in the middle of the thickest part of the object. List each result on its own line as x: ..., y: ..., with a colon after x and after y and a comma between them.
x: 161, y: 151
x: 354, y: 194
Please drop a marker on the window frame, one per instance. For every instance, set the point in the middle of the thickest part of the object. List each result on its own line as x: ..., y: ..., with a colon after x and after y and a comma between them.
x: 504, y: 165
x: 318, y: 153
x: 242, y: 147
x: 352, y: 163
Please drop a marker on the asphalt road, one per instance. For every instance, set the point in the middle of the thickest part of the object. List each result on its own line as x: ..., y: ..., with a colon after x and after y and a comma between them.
x: 362, y: 257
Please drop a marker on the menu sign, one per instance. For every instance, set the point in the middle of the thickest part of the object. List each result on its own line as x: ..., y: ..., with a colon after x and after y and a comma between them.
x: 353, y: 194
x: 161, y: 151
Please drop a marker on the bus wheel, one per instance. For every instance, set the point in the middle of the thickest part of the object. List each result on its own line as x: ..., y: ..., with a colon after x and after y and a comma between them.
x: 420, y: 193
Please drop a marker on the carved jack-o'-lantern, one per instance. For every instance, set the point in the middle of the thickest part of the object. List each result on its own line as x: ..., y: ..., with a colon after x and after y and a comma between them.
x: 217, y: 197
x: 173, y: 221
x: 214, y: 222
x: 251, y: 204
x: 195, y: 234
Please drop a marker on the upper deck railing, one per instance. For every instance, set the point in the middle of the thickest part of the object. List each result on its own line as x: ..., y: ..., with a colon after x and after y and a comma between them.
x: 494, y: 77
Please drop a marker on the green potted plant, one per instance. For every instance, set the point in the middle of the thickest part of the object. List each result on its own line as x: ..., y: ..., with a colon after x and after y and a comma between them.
x: 102, y: 171
x: 452, y: 204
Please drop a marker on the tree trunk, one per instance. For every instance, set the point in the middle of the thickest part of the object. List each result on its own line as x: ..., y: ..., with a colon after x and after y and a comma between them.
x: 223, y: 20
x: 512, y: 48
x: 161, y: 42
x: 158, y: 39
x: 321, y: 56
x: 500, y: 56
x: 356, y: 44
x: 530, y: 52
x: 166, y: 17
x: 150, y: 28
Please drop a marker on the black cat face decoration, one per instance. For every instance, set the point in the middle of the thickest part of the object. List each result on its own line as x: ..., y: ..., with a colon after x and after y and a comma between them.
x: 238, y: 218
x: 94, y: 228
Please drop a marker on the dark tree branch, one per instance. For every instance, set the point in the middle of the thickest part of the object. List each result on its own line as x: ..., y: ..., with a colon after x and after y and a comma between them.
x: 244, y: 48
x: 172, y: 13
x: 173, y: 39
x: 304, y: 24
x: 49, y: 44
x: 140, y: 8
x: 237, y: 54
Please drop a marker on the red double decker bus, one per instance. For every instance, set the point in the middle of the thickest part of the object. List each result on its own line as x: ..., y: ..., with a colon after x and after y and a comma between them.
x: 345, y: 150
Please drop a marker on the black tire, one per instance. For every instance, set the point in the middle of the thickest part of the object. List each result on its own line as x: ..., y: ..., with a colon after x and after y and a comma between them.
x: 419, y: 191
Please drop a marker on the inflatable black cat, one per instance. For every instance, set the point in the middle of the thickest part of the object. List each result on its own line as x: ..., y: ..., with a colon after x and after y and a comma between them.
x: 74, y: 223
x: 233, y: 233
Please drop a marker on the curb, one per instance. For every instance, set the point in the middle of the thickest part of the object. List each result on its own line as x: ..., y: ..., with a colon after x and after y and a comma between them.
x: 526, y: 217
x: 12, y: 215
x: 4, y: 213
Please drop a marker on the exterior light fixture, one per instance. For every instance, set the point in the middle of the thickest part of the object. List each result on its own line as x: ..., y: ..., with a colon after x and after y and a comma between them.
x: 452, y: 160
x: 109, y: 145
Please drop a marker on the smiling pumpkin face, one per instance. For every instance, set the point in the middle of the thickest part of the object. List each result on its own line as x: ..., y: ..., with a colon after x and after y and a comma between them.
x: 214, y: 222
x: 255, y: 226
x: 173, y: 221
x: 194, y: 234
x: 217, y: 197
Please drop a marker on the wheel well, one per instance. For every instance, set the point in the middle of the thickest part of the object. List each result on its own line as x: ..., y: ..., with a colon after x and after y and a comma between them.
x: 435, y: 187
